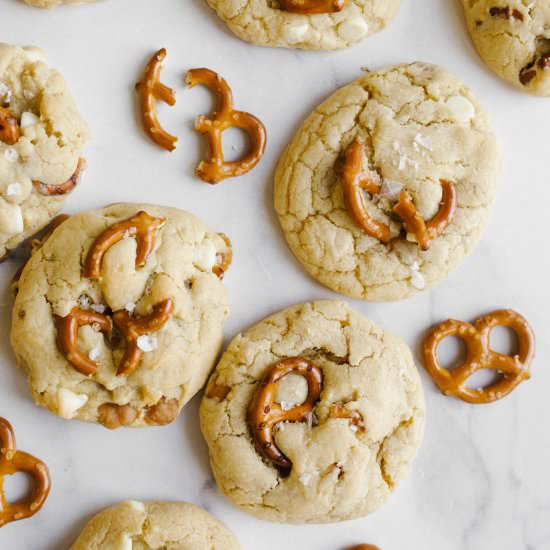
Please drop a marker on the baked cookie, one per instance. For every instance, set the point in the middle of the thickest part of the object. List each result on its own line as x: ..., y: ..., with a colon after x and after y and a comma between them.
x: 146, y: 525
x: 387, y: 185
x: 513, y: 38
x: 339, y: 454
x: 56, y: 3
x: 119, y: 315
x: 41, y: 140
x: 267, y: 23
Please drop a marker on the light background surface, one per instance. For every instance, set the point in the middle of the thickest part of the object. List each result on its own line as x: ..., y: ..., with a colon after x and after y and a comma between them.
x: 481, y: 480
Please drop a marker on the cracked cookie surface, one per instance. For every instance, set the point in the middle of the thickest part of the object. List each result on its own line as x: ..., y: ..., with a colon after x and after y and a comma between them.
x: 51, y: 138
x: 155, y: 526
x: 341, y: 468
x: 420, y: 125
x: 264, y: 23
x: 513, y: 38
x: 176, y: 358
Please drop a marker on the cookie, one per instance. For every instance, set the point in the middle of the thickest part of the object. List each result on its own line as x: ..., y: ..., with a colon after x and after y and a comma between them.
x: 55, y: 3
x: 339, y: 454
x: 265, y: 23
x: 418, y: 139
x: 142, y: 525
x: 513, y: 38
x: 41, y: 140
x: 119, y: 315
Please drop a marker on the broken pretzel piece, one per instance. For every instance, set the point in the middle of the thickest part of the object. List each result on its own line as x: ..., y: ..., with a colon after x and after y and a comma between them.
x: 9, y: 127
x: 216, y: 168
x: 150, y: 90
x: 223, y: 257
x: 63, y: 188
x: 312, y: 7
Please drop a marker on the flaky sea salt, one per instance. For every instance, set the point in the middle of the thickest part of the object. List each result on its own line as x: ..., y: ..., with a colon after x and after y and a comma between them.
x: 83, y: 301
x: 146, y: 343
x: 390, y: 189
x: 11, y: 155
x: 13, y: 189
x: 94, y: 353
x: 130, y: 307
x: 98, y: 308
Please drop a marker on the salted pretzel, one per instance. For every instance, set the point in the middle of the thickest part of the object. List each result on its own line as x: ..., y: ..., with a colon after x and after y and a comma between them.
x: 67, y: 336
x: 142, y: 226
x: 9, y: 127
x: 150, y: 89
x: 132, y: 328
x: 312, y: 7
x: 13, y: 461
x: 264, y: 413
x: 426, y: 232
x: 341, y: 411
x: 215, y: 168
x: 513, y: 369
x: 223, y: 258
x: 354, y: 179
x: 62, y: 188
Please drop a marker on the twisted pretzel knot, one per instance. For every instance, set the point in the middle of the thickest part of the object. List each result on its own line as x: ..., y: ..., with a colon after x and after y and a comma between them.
x: 354, y: 179
x: 9, y: 127
x: 142, y: 226
x: 63, y: 188
x: 13, y: 461
x: 264, y: 413
x: 215, y: 168
x: 514, y: 369
x: 312, y: 7
x: 150, y: 89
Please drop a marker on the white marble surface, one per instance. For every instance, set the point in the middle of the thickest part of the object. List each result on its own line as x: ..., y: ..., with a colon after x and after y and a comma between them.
x: 482, y: 478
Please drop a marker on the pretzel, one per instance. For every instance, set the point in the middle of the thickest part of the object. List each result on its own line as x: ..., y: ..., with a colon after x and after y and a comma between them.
x: 364, y: 547
x: 62, y: 188
x: 312, y: 7
x: 340, y: 411
x: 223, y: 258
x: 13, y: 461
x: 67, y: 336
x: 426, y: 232
x: 215, y: 168
x: 142, y: 226
x: 132, y: 328
x: 150, y: 89
x: 513, y: 369
x: 264, y: 413
x: 9, y: 127
x: 353, y: 179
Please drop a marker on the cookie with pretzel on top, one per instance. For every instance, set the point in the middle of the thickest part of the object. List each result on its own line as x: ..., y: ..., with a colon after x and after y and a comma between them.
x: 119, y: 314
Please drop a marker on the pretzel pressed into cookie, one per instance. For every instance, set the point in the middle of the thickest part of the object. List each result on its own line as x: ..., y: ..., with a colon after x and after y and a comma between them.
x: 354, y: 179
x: 216, y: 168
x: 132, y: 328
x: 264, y: 413
x: 356, y: 418
x: 63, y: 188
x: 150, y: 89
x: 513, y: 369
x: 223, y: 258
x: 13, y: 461
x: 9, y: 127
x: 142, y: 226
x: 67, y: 336
x: 312, y: 7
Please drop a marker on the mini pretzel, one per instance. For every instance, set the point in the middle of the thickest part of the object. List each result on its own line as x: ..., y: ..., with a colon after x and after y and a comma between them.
x: 514, y: 369
x: 142, y: 226
x: 132, y: 328
x: 312, y: 7
x: 62, y: 188
x: 426, y: 232
x: 223, y: 258
x: 150, y: 90
x: 353, y: 179
x: 67, y: 336
x: 13, y: 461
x: 215, y: 168
x: 341, y: 411
x: 9, y: 127
x: 264, y: 413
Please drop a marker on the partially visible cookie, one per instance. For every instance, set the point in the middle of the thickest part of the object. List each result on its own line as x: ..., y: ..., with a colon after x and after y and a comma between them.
x: 119, y: 315
x: 339, y: 454
x: 266, y: 23
x: 55, y: 3
x: 422, y: 133
x: 146, y: 525
x: 513, y: 38
x: 42, y: 136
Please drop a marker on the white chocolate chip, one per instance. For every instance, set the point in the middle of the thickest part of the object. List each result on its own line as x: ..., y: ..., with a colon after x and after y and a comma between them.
x: 13, y: 189
x: 137, y: 505
x: 353, y: 29
x: 295, y: 33
x: 124, y: 542
x: 69, y: 402
x: 390, y: 189
x: 147, y: 343
x: 11, y: 218
x: 461, y: 108
x: 28, y: 120
x: 11, y: 155
x: 417, y: 279
x: 205, y: 255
